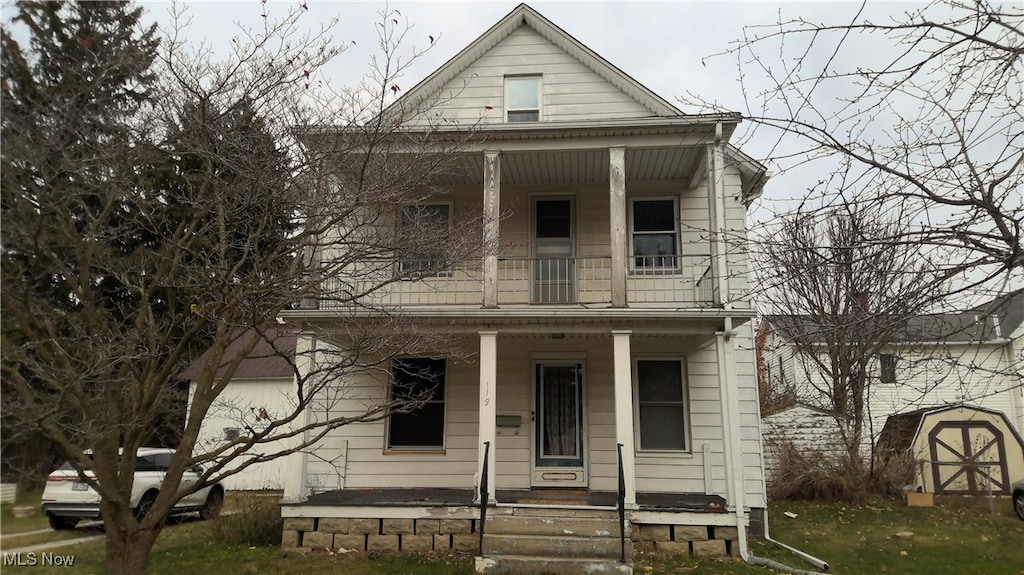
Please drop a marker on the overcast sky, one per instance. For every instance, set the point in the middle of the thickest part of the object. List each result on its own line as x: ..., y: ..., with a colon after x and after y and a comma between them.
x: 668, y: 47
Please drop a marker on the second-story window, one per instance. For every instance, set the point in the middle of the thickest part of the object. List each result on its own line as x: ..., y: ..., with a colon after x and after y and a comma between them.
x: 423, y: 238
x: 655, y: 233
x: 522, y: 98
x: 887, y: 368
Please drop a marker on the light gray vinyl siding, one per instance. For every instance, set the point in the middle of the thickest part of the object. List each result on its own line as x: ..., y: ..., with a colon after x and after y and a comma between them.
x: 570, y: 90
x: 370, y: 465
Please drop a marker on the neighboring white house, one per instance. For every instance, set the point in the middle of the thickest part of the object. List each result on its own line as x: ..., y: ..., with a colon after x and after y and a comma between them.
x: 261, y: 389
x: 615, y: 315
x: 974, y: 358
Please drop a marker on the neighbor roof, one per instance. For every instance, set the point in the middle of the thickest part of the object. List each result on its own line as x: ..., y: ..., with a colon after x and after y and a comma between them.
x: 992, y: 320
x: 268, y: 359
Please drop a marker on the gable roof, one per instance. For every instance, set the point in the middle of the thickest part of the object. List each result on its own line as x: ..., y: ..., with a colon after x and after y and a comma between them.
x: 268, y: 359
x: 523, y: 15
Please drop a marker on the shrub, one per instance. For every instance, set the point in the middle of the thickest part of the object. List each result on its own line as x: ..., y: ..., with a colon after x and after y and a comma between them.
x: 256, y: 522
x: 815, y: 475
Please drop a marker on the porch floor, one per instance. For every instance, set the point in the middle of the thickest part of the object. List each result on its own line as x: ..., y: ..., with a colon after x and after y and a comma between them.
x: 396, y: 497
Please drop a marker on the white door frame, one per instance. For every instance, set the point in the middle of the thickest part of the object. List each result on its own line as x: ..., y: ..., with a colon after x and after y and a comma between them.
x: 558, y: 475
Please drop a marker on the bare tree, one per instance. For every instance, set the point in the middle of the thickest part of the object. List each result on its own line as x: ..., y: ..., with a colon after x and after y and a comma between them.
x: 157, y: 202
x: 839, y: 293
x: 918, y: 112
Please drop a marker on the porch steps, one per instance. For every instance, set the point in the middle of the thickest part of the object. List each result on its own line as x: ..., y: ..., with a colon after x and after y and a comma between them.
x: 557, y: 541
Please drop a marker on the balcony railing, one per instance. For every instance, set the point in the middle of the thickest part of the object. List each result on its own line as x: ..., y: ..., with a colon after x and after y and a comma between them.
x: 658, y: 280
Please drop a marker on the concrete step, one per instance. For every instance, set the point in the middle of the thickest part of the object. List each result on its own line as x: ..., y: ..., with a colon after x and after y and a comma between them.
x: 530, y: 565
x: 564, y: 512
x: 579, y: 526
x: 555, y: 546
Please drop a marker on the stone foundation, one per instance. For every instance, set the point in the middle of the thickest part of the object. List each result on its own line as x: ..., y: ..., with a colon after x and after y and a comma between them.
x: 362, y: 534
x: 461, y: 535
x: 695, y: 540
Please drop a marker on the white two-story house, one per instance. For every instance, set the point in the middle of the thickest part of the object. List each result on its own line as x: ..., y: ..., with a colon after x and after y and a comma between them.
x: 609, y: 312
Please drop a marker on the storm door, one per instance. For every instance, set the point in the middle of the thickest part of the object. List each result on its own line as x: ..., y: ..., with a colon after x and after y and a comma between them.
x: 558, y: 424
x: 553, y: 251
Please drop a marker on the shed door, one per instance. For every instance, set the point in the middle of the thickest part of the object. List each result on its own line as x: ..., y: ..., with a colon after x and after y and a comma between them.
x: 968, y: 456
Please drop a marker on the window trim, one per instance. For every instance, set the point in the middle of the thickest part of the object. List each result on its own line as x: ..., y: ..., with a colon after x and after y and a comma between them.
x: 884, y: 370
x: 429, y: 449
x: 687, y: 418
x: 414, y: 274
x: 540, y: 98
x: 633, y: 268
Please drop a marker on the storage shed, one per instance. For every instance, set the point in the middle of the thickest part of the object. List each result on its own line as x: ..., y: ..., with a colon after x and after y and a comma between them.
x: 960, y: 449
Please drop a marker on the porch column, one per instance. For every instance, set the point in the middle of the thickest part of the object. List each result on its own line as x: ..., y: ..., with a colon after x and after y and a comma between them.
x: 295, y: 490
x: 492, y: 216
x: 624, y: 410
x: 730, y: 422
x: 617, y: 203
x: 488, y: 409
x: 715, y: 159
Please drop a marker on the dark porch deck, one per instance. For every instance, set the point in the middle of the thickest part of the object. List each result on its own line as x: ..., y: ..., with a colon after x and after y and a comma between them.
x: 430, y: 497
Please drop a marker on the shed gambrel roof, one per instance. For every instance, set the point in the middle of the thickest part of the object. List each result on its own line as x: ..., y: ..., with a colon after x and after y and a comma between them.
x: 523, y: 15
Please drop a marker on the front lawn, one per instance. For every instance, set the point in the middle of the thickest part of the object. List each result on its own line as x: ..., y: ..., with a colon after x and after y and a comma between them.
x: 952, y: 538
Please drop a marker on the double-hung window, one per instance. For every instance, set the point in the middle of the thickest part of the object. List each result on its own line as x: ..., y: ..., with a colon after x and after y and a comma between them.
x: 887, y: 368
x: 654, y: 234
x: 423, y: 236
x: 522, y: 98
x: 662, y: 405
x: 417, y: 423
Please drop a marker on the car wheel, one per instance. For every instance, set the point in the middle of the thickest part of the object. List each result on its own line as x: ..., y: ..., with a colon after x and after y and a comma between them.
x: 145, y: 505
x: 62, y: 523
x: 214, y: 503
x: 1018, y: 504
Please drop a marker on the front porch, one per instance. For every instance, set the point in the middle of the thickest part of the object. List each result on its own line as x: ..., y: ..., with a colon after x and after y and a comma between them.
x: 575, y: 498
x: 549, y: 530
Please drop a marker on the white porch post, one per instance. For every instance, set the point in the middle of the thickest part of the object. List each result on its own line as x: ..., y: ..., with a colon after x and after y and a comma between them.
x: 617, y: 203
x: 624, y: 410
x: 716, y: 218
x: 492, y: 216
x: 731, y: 423
x: 295, y: 479
x: 488, y: 409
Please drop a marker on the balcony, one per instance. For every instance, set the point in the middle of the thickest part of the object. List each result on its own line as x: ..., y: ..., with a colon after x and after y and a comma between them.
x: 661, y: 281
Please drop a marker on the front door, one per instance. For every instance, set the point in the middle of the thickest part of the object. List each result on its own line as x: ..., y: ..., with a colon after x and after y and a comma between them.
x: 553, y: 246
x: 558, y: 425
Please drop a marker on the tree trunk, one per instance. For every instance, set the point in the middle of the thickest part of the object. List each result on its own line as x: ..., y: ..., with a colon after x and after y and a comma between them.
x: 128, y: 545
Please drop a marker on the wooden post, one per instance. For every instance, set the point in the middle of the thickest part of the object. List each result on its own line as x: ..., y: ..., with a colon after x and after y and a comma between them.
x: 623, y: 382
x: 492, y: 215
x: 488, y: 409
x: 617, y: 203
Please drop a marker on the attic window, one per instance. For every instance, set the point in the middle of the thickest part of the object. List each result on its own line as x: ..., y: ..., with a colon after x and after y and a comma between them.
x: 522, y: 98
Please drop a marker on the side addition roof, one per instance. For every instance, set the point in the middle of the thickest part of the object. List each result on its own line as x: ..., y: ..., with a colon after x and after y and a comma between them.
x: 268, y: 359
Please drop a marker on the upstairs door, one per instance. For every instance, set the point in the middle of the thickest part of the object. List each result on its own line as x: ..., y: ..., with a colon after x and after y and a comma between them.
x: 559, y: 427
x: 553, y: 250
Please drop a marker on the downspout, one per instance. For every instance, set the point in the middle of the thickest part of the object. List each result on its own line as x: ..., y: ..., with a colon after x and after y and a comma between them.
x: 734, y: 465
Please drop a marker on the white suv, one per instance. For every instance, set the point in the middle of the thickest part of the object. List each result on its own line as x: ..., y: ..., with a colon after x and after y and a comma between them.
x: 66, y: 499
